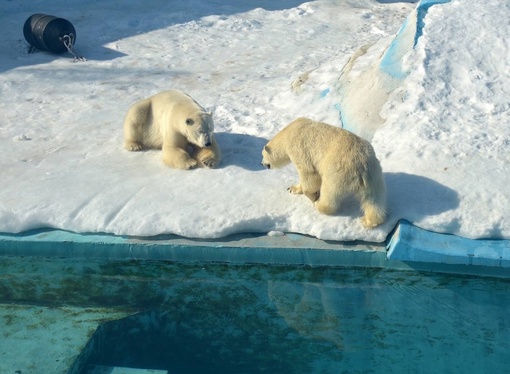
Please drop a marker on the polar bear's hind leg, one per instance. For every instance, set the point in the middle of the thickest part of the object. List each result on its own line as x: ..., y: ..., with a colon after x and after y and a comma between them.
x: 373, y: 198
x: 330, y: 198
x: 133, y: 135
x: 374, y: 213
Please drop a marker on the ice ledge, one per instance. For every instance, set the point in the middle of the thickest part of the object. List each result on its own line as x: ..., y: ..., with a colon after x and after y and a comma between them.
x: 288, y: 249
x: 408, y: 247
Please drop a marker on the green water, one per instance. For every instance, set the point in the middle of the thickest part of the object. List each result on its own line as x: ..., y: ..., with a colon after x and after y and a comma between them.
x: 271, y: 319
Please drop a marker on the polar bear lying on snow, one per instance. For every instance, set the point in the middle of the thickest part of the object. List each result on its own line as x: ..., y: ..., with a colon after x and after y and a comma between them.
x: 177, y: 124
x: 331, y: 163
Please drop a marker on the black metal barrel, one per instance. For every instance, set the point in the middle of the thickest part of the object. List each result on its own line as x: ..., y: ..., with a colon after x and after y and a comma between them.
x: 45, y: 32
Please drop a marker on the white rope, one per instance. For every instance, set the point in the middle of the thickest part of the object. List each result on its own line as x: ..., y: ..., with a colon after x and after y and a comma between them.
x: 68, y: 41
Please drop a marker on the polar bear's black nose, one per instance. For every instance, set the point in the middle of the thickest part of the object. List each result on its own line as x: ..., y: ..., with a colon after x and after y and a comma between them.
x: 208, y: 144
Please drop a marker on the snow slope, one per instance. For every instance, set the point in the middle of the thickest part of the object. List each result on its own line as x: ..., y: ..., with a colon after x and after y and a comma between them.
x: 451, y: 122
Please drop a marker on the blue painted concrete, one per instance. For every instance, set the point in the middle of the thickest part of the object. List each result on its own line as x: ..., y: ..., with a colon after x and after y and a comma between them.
x: 391, y: 62
x: 407, y: 37
x: 422, y: 10
x: 412, y: 244
x: 324, y: 93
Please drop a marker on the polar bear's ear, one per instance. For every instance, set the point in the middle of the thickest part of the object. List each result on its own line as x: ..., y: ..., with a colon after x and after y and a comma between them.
x: 189, y: 121
x: 266, y: 148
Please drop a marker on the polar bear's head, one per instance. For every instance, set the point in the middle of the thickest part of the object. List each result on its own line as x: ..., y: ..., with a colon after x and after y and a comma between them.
x: 199, y: 129
x: 274, y: 157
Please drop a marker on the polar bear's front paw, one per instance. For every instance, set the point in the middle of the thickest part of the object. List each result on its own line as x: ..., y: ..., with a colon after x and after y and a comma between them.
x: 133, y: 146
x: 295, y: 189
x: 206, y: 157
x: 190, y: 164
x: 209, y: 162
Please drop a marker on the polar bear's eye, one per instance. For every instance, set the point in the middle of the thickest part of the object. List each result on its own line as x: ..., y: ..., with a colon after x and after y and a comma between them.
x: 189, y: 121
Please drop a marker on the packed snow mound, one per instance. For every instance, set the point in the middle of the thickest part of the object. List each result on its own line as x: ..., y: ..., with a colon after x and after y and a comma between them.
x: 443, y: 142
x: 450, y: 121
x: 365, y: 90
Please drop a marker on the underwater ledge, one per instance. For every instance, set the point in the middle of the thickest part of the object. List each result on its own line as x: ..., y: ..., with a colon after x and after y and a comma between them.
x: 407, y: 247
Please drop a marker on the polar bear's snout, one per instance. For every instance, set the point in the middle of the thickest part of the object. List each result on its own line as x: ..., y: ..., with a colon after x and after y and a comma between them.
x: 205, y: 140
x: 265, y: 157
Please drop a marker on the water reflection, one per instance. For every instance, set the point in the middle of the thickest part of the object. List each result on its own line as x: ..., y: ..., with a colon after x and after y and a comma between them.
x: 285, y: 320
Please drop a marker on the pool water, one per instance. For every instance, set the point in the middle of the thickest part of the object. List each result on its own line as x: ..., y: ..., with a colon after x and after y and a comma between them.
x: 217, y: 318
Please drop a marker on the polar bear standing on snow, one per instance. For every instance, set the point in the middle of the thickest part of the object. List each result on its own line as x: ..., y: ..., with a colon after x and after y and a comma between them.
x: 177, y: 124
x: 331, y: 163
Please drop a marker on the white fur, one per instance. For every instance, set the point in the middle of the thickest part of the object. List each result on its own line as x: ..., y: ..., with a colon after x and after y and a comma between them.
x: 331, y: 163
x: 177, y: 124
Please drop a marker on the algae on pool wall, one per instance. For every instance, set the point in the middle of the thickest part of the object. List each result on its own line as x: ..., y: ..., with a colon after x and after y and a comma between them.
x: 248, y: 318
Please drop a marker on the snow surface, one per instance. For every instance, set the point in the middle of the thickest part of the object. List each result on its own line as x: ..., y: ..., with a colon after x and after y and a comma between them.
x: 257, y: 65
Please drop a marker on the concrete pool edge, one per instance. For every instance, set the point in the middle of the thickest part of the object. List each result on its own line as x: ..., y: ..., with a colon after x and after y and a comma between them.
x: 407, y: 247
x: 426, y: 250
x: 245, y: 248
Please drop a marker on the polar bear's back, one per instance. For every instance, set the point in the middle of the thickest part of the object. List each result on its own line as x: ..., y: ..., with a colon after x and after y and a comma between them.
x: 150, y: 120
x: 173, y: 103
x: 325, y: 140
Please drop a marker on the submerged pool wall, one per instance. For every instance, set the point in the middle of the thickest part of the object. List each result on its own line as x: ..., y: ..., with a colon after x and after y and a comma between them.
x: 63, y: 315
